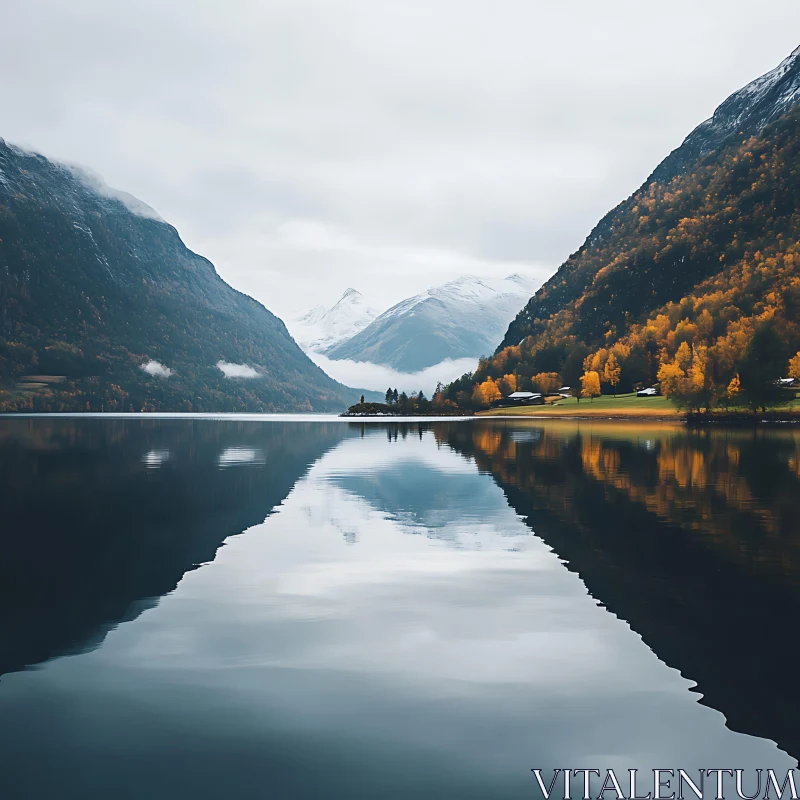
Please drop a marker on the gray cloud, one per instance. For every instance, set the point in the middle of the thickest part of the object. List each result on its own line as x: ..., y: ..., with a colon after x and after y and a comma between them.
x: 308, y: 146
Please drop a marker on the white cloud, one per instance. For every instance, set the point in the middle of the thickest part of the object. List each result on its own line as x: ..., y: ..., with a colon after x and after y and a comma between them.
x: 378, y: 378
x: 157, y: 370
x: 236, y: 370
x: 92, y: 180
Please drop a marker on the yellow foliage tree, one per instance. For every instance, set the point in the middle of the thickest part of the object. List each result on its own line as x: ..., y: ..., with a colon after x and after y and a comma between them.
x: 486, y: 393
x: 596, y: 361
x: 686, y: 379
x: 590, y: 384
x: 507, y: 385
x: 547, y: 382
x: 794, y: 367
x: 612, y: 372
x: 733, y: 390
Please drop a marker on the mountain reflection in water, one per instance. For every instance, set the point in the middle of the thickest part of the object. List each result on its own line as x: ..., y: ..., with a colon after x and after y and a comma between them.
x: 406, y: 614
x: 692, y: 536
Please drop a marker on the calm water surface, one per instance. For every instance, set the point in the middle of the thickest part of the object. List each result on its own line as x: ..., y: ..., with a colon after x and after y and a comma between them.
x: 199, y: 608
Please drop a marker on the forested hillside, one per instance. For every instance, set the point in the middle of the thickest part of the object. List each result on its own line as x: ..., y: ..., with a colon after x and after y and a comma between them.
x: 94, y: 287
x: 694, y: 281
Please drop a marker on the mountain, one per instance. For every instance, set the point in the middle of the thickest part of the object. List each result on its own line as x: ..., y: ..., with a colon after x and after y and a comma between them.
x: 102, y: 306
x: 321, y: 328
x: 696, y: 272
x: 438, y: 324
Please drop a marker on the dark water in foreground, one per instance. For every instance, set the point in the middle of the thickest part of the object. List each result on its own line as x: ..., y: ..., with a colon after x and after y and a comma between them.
x: 390, y: 610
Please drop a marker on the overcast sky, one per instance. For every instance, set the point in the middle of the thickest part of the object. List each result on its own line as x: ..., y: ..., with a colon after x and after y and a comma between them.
x: 305, y: 147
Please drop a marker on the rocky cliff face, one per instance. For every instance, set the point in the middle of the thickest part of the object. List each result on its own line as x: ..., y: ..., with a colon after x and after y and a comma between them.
x: 94, y: 284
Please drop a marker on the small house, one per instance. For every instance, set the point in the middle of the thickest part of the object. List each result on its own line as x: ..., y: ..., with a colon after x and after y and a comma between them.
x: 525, y: 399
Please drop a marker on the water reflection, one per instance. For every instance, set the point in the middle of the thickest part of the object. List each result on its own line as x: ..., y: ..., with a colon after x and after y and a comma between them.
x: 691, y: 536
x: 88, y: 536
x: 153, y: 459
x: 241, y: 456
x: 397, y: 620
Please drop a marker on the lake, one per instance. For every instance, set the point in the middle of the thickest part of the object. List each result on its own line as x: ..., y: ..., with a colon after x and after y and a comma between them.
x: 317, y: 608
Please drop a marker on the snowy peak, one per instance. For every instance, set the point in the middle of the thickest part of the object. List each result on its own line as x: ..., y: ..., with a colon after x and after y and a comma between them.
x: 468, y: 290
x: 746, y: 112
x: 322, y: 327
x: 463, y: 318
x: 350, y: 299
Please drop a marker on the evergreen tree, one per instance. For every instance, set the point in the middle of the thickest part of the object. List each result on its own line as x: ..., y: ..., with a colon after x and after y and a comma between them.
x: 762, y: 365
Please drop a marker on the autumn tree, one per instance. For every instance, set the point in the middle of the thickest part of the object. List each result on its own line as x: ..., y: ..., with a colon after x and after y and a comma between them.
x: 794, y: 366
x: 612, y: 371
x: 546, y: 382
x: 590, y: 384
x: 507, y: 385
x: 733, y: 391
x: 687, y: 378
x: 485, y: 394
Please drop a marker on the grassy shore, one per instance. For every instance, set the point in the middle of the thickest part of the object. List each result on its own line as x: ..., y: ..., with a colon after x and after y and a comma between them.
x: 623, y: 406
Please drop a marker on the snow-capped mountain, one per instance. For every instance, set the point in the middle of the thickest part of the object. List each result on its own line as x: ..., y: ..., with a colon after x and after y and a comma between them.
x: 322, y: 328
x: 464, y: 318
x: 745, y: 113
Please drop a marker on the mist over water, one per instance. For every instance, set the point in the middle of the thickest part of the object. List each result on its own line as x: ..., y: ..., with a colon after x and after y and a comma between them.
x: 298, y: 609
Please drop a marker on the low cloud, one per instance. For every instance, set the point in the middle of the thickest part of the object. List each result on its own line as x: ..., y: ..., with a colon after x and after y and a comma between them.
x: 157, y: 370
x: 236, y: 370
x: 375, y: 377
x: 94, y: 181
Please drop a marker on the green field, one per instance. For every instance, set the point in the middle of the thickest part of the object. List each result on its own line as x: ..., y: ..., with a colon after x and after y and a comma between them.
x: 624, y: 405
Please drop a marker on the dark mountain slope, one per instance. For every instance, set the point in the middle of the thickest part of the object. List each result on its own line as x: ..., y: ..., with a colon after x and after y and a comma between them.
x: 636, y: 244
x: 704, y: 253
x: 93, y: 284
